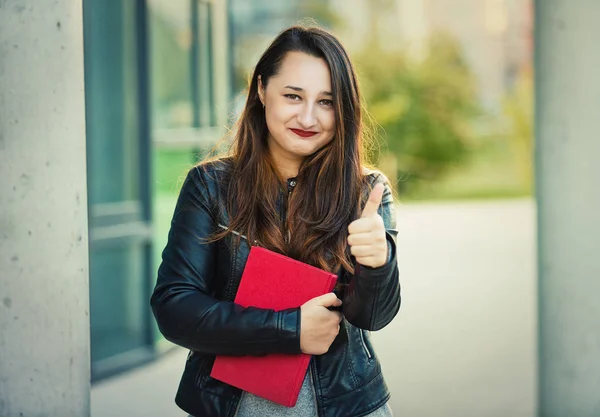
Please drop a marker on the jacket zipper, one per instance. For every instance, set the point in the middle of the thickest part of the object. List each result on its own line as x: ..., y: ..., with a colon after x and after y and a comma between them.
x: 290, y: 186
x: 364, y: 344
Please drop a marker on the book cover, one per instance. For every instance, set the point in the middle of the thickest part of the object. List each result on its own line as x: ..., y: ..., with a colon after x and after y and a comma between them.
x: 273, y: 281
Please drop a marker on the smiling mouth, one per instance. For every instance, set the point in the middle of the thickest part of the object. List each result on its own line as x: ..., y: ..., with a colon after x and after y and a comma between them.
x: 304, y: 133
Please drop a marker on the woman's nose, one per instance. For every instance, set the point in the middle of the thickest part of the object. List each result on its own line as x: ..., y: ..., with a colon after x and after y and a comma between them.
x: 306, y: 117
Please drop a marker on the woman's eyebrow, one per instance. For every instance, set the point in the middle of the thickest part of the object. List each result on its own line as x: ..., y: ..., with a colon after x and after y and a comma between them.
x: 291, y: 87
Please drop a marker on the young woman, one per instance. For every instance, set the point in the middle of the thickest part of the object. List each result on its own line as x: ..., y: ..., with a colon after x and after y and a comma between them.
x: 294, y: 183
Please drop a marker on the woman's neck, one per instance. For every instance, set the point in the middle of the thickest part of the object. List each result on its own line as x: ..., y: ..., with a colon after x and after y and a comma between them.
x: 287, y: 171
x: 286, y: 166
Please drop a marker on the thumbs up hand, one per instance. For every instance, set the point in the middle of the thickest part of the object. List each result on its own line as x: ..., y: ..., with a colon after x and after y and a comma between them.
x: 366, y: 236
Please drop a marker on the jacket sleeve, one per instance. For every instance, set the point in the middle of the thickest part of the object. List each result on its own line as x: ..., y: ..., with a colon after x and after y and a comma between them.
x: 372, y: 298
x: 185, y: 310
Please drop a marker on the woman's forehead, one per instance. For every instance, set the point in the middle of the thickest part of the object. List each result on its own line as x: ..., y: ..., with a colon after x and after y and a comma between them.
x: 304, y: 71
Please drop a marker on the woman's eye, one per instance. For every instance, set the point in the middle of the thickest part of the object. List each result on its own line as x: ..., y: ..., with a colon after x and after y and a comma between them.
x: 327, y: 103
x: 293, y: 96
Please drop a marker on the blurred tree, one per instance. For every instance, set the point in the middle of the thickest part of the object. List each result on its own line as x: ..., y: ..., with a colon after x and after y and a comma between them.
x: 424, y: 107
x: 319, y: 12
x: 518, y: 109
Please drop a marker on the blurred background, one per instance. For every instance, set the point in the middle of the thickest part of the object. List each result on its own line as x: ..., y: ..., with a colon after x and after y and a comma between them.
x: 448, y: 84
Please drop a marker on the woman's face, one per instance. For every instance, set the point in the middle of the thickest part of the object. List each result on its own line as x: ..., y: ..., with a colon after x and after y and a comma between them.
x: 298, y: 107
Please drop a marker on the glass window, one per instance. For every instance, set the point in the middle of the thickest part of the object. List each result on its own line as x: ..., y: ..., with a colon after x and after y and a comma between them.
x: 117, y: 156
x: 111, y: 101
x: 171, y: 41
x: 117, y: 302
x: 206, y: 113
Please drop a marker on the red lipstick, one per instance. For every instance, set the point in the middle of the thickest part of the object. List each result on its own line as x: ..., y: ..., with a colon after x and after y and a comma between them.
x: 303, y: 133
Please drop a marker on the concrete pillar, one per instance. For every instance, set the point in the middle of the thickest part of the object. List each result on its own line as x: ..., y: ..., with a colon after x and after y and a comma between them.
x: 44, y: 300
x: 568, y: 190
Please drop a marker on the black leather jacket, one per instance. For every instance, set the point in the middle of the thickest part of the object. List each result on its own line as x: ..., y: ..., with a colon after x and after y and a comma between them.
x: 192, y: 303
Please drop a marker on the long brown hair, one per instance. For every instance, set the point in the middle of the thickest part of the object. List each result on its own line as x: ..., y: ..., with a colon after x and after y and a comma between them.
x: 330, y: 183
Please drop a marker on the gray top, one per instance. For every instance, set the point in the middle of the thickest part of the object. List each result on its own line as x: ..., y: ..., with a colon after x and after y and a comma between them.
x: 253, y: 406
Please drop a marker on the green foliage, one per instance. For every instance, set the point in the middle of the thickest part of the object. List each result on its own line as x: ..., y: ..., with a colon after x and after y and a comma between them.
x: 170, y: 168
x: 321, y: 14
x: 423, y: 106
x: 518, y: 110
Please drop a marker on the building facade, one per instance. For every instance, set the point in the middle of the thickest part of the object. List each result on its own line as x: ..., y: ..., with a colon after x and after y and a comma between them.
x: 151, y: 90
x: 161, y: 81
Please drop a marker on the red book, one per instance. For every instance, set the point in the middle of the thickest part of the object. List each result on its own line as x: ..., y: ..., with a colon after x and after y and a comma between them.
x: 273, y: 281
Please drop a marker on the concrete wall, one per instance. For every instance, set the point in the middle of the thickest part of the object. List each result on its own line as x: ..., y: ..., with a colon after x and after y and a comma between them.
x: 44, y: 301
x: 568, y: 191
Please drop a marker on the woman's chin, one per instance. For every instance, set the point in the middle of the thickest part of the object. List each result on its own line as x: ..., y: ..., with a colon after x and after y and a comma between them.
x: 304, y: 152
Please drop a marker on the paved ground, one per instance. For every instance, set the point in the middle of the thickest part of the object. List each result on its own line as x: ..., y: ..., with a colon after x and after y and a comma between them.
x: 464, y: 342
